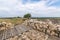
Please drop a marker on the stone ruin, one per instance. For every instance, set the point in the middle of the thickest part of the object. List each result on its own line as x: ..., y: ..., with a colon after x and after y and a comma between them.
x: 5, y: 25
x: 46, y: 27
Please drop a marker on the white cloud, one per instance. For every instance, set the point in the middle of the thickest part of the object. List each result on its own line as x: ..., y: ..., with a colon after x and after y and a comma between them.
x: 16, y: 8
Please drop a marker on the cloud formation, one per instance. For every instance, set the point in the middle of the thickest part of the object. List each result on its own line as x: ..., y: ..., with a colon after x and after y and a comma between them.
x: 38, y: 8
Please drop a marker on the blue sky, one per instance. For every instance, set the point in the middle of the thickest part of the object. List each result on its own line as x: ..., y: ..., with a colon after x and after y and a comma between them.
x: 38, y: 8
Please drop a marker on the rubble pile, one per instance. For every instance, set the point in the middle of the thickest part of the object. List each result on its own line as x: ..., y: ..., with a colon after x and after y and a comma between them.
x: 31, y: 35
x: 34, y: 35
x: 5, y: 25
x: 47, y: 27
x: 35, y: 30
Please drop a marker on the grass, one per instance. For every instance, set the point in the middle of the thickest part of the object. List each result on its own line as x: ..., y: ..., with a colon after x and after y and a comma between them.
x: 13, y: 20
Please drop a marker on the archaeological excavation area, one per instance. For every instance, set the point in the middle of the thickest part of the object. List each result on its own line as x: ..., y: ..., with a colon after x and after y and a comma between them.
x: 31, y: 29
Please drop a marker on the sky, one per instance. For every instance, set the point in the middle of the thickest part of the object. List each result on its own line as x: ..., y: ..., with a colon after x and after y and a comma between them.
x: 37, y: 8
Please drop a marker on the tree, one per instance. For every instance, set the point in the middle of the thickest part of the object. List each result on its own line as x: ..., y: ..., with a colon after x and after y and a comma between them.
x: 27, y: 15
x: 18, y: 17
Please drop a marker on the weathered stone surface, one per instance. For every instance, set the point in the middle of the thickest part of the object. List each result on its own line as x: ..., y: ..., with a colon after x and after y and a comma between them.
x: 32, y: 30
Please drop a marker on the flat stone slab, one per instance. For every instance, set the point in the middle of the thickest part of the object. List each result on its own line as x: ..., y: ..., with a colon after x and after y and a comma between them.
x: 15, y: 31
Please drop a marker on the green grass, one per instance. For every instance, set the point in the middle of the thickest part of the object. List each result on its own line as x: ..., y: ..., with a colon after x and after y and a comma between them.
x: 13, y: 20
